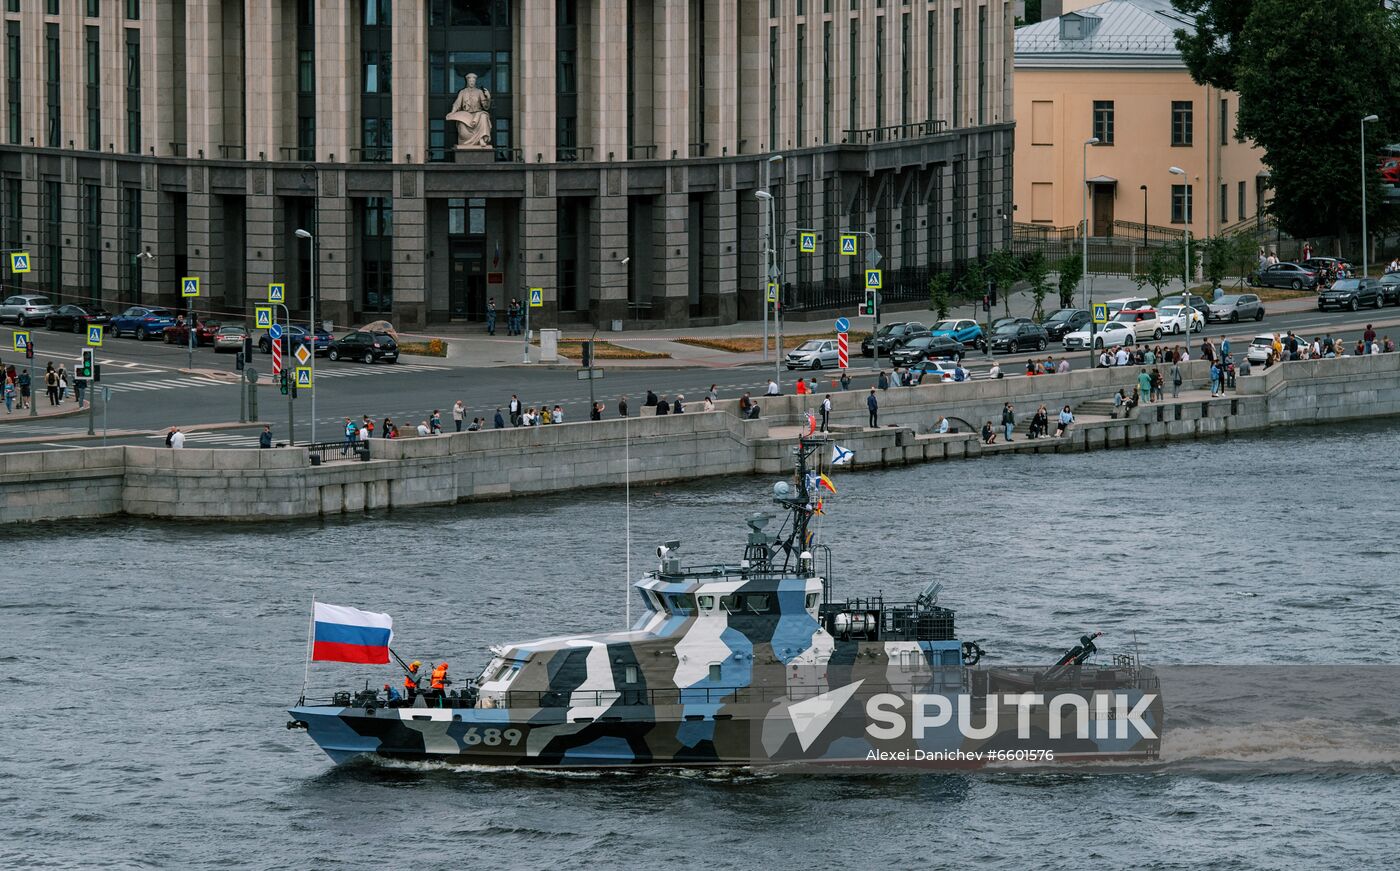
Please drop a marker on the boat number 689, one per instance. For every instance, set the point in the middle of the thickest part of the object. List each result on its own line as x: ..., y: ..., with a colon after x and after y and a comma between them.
x: 491, y: 737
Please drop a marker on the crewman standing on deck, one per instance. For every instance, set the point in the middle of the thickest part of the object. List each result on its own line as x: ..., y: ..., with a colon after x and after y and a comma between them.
x: 410, y: 681
x: 438, y: 687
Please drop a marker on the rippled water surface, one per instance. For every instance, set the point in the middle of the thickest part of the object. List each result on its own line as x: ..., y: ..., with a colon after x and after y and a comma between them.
x: 146, y: 668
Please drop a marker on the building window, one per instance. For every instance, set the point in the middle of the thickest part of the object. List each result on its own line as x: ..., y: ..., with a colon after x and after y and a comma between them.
x: 904, y: 70
x: 306, y: 80
x: 377, y: 231
x: 376, y: 72
x: 880, y: 71
x: 92, y: 8
x: 773, y: 89
x: 1224, y: 203
x: 957, y: 72
x: 1181, y: 204
x: 133, y: 10
x: 92, y: 62
x: 133, y: 90
x: 53, y: 64
x: 800, y: 86
x: 826, y: 81
x: 378, y: 13
x: 1181, y: 123
x: 51, y: 7
x: 853, y: 110
x: 456, y: 217
x: 376, y: 104
x: 379, y: 217
x: 131, y: 222
x: 1224, y: 121
x: 932, y: 65
x: 92, y: 236
x: 982, y: 64
x: 1240, y: 201
x: 1103, y: 121
x: 12, y: 79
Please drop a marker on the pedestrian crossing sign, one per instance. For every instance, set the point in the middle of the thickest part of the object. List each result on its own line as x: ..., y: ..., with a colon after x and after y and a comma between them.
x: 873, y: 279
x: 21, y: 339
x: 537, y: 297
x: 19, y: 261
x: 848, y: 244
x: 263, y: 316
x: 807, y: 242
x: 772, y: 291
x: 1100, y: 313
x: 303, y: 377
x: 95, y: 335
x: 276, y: 292
x: 189, y: 286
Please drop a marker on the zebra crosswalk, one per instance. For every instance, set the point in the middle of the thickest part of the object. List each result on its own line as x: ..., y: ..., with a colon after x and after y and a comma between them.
x: 352, y: 370
x: 156, y: 384
x: 222, y: 439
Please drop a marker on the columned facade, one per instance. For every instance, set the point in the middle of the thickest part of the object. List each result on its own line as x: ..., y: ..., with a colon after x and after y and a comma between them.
x: 628, y: 138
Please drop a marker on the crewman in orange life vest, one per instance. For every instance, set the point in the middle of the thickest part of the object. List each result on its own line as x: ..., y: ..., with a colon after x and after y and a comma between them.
x: 438, y: 686
x: 410, y: 682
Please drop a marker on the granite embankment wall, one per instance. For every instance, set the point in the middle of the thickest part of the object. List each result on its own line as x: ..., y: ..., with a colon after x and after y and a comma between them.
x: 252, y: 484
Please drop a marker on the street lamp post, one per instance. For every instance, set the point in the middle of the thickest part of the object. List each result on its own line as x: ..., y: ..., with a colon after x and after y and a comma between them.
x: 765, y: 199
x: 1186, y: 276
x: 1143, y: 188
x: 770, y: 260
x: 1365, y: 242
x: 1084, y: 247
x: 302, y: 234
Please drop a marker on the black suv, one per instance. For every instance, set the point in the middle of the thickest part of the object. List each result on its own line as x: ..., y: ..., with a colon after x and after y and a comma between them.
x: 365, y: 346
x: 1064, y: 321
x: 1019, y: 337
x: 891, y: 336
x: 927, y: 347
x: 1351, y: 293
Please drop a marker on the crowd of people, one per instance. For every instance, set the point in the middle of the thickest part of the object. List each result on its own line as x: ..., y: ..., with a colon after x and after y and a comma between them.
x: 19, y: 387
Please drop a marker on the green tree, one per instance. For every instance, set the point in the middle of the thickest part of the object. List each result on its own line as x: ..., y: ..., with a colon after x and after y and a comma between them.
x: 1004, y: 269
x: 1306, y: 73
x: 1224, y: 257
x: 1036, y: 272
x: 939, y: 293
x: 1071, y: 270
x: 1159, y: 268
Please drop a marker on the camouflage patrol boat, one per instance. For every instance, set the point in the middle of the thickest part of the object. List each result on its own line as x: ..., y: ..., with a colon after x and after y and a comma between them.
x: 758, y: 663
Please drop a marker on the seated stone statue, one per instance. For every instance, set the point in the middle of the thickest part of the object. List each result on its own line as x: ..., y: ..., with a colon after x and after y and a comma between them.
x: 471, y: 113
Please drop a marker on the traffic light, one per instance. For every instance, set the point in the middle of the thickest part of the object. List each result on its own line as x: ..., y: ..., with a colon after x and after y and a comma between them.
x: 85, y: 367
x: 588, y: 354
x: 248, y: 347
x: 286, y: 382
x: 992, y: 293
x: 986, y: 303
x: 238, y: 361
x: 869, y: 307
x: 29, y: 350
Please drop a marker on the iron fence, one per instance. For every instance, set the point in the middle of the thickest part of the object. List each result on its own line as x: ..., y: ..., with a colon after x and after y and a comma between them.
x: 910, y: 284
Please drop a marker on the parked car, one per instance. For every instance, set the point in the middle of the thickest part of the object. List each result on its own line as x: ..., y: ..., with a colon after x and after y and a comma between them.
x: 1284, y: 275
x: 1174, y: 318
x: 296, y: 334
x: 1351, y: 293
x: 76, y: 317
x: 1235, y: 308
x: 890, y: 336
x: 1259, y: 349
x: 178, y: 333
x: 143, y: 322
x: 1065, y: 320
x: 1019, y: 337
x: 1144, y: 322
x: 25, y: 309
x: 1331, y: 264
x: 814, y: 354
x: 1001, y: 322
x: 1122, y: 302
x: 967, y: 331
x: 1196, y: 302
x: 928, y: 371
x: 1108, y: 335
x: 365, y: 346
x: 929, y: 347
x: 1390, y: 288
x: 229, y: 337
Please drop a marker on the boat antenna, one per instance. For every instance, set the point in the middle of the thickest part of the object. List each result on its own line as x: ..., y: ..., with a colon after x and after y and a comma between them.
x: 627, y: 491
x: 306, y: 671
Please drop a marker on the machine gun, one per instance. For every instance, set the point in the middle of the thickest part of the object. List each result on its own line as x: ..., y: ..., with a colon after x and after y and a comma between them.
x: 1074, y: 657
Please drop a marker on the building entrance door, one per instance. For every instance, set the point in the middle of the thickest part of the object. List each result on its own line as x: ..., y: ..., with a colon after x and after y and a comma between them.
x: 1103, y: 210
x: 467, y: 288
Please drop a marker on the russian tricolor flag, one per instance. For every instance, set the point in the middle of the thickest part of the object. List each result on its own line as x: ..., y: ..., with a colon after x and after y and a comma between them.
x: 344, y: 634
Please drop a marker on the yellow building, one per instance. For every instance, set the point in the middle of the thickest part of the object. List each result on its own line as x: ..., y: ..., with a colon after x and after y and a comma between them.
x: 1112, y: 71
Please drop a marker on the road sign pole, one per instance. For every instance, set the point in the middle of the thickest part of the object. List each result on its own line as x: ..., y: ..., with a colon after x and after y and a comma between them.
x: 291, y: 417
x: 527, y: 328
x: 189, y: 334
x: 106, y: 401
x: 33, y: 387
x: 92, y: 405
x: 242, y: 400
x: 252, y: 388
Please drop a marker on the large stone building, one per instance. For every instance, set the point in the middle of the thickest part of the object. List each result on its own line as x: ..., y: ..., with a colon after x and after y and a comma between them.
x: 628, y: 138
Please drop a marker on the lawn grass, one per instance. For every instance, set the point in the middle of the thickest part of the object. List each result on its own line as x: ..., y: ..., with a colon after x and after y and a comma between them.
x: 749, y: 344
x: 609, y: 351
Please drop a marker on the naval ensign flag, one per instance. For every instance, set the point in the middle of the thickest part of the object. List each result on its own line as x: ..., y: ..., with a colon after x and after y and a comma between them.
x: 344, y: 634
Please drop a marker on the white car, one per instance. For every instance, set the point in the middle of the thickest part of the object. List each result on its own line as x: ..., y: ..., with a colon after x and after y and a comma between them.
x: 1173, y: 321
x: 814, y: 354
x: 1108, y: 335
x: 1259, y: 349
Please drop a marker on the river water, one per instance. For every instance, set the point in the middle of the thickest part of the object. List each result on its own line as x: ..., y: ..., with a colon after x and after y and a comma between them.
x: 146, y: 668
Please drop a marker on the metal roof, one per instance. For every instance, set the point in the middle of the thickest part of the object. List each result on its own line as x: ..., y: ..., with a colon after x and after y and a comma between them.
x: 1118, y: 33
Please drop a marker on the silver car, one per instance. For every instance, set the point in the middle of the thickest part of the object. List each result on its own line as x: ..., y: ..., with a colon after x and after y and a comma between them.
x: 814, y: 354
x: 1241, y: 307
x: 25, y: 309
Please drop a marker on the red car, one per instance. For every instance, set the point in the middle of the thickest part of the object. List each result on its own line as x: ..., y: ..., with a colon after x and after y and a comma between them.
x: 203, y: 333
x: 1390, y: 170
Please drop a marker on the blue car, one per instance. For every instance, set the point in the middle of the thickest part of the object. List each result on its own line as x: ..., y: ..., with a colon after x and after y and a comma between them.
x: 143, y: 322
x: 295, y: 337
x: 967, y: 331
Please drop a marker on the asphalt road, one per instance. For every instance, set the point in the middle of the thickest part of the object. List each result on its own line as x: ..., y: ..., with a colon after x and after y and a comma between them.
x: 150, y: 392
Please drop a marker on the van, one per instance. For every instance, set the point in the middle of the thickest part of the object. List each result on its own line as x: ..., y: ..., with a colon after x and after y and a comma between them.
x: 1144, y: 320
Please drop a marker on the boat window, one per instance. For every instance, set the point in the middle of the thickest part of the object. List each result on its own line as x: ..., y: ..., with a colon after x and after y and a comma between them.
x: 811, y: 600
x: 707, y: 603
x: 501, y: 672
x: 716, y: 672
x: 730, y: 603
x: 653, y: 601
x: 680, y: 603
x: 756, y: 603
x: 630, y: 674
